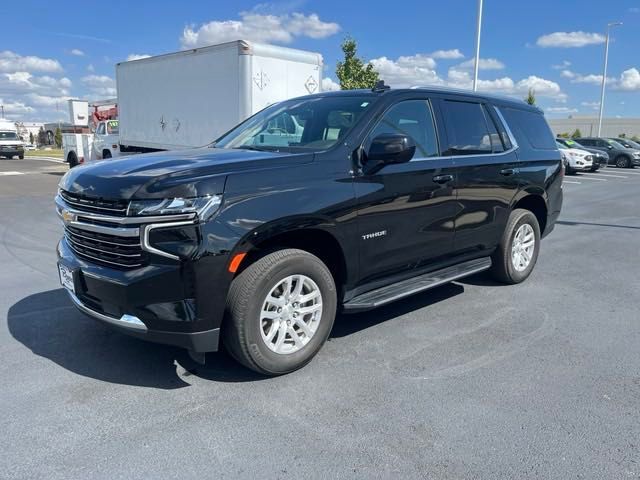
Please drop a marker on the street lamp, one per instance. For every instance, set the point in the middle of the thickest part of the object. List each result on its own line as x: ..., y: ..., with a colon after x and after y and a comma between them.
x: 477, y: 62
x: 604, y: 74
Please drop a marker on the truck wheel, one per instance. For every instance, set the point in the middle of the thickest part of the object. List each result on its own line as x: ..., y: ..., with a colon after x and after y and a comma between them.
x: 72, y: 159
x: 106, y: 154
x: 517, y: 252
x: 623, y: 162
x: 280, y: 311
x: 21, y: 157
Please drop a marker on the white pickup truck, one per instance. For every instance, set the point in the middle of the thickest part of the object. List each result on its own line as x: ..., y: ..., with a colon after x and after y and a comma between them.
x: 80, y: 148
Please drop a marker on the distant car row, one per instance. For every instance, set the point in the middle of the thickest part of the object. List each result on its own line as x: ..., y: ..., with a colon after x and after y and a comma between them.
x: 590, y: 153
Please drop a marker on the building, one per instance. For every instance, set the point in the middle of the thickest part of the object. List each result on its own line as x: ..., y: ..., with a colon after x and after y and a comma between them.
x: 588, y: 126
x: 26, y: 128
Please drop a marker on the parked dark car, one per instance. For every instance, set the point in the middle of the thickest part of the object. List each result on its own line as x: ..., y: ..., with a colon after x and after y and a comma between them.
x: 365, y: 198
x: 600, y: 158
x: 625, y: 142
x: 619, y: 155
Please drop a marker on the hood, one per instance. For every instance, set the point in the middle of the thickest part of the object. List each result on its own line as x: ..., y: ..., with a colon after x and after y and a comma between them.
x: 579, y: 151
x: 178, y: 173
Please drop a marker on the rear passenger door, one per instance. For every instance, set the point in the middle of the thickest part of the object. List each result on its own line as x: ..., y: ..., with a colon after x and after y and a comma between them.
x: 406, y: 211
x: 487, y: 172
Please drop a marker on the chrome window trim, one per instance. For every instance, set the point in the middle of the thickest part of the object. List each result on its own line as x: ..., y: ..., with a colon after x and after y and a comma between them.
x: 127, y: 321
x: 146, y: 245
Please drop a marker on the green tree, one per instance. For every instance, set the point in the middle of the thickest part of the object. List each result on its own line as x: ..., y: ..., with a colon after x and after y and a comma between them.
x: 352, y: 72
x: 58, y: 137
x: 576, y: 133
x: 622, y: 135
x: 42, y: 136
x: 31, y: 138
x: 563, y: 135
x: 531, y: 97
x: 635, y: 138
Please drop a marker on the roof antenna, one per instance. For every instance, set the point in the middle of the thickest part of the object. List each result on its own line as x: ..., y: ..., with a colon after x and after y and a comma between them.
x: 380, y: 86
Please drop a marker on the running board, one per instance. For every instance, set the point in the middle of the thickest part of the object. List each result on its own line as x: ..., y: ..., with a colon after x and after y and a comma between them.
x: 405, y: 288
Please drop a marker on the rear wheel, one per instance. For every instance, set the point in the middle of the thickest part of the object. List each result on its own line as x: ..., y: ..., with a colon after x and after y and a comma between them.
x: 280, y: 311
x: 21, y: 156
x: 106, y: 154
x: 623, y: 162
x: 516, y: 255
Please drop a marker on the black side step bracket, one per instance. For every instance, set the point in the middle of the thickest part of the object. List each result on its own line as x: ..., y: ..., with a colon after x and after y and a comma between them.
x: 405, y: 288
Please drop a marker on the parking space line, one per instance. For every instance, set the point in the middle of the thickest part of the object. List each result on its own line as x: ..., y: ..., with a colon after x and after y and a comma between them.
x: 622, y: 170
x: 569, y: 181
x: 606, y: 175
x: 582, y: 177
x: 10, y: 173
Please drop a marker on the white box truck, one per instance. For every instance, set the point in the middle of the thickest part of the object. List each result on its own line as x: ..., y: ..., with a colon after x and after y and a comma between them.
x: 189, y: 98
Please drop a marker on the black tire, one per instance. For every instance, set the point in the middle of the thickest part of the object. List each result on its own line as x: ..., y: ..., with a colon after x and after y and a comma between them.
x: 623, y: 161
x: 106, y: 154
x: 72, y: 159
x: 241, y: 329
x: 503, y: 268
x: 21, y: 157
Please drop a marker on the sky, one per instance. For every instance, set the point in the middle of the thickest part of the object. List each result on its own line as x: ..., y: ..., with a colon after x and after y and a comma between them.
x: 54, y: 51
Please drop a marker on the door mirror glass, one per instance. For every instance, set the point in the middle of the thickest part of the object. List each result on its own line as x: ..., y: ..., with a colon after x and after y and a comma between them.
x: 389, y: 148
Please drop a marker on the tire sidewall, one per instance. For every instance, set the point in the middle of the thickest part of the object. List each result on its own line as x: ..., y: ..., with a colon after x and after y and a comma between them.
x: 519, y: 276
x: 260, y: 353
x: 622, y: 162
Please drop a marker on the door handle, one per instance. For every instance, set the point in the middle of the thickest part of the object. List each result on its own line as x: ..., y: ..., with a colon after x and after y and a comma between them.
x: 507, y: 171
x: 443, y: 178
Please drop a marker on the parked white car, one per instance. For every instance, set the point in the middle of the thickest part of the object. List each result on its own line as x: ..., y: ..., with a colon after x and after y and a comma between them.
x: 578, y: 160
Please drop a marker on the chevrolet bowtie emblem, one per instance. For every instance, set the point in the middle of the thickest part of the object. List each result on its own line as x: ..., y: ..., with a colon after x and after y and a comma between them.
x: 68, y: 217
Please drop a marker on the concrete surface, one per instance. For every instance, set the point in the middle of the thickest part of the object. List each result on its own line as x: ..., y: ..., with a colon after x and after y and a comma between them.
x: 471, y: 380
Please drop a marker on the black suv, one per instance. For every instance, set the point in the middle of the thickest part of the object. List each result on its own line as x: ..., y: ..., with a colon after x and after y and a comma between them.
x: 336, y: 201
x: 619, y: 155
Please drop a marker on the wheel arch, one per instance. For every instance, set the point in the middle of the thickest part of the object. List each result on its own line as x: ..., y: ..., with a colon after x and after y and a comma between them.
x: 313, y: 238
x: 535, y: 201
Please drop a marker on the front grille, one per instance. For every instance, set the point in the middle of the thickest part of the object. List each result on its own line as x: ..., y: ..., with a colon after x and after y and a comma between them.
x: 104, y: 249
x: 116, y: 208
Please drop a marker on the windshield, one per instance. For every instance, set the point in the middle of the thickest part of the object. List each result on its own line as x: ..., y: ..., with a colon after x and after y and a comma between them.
x: 299, y: 125
x: 8, y: 136
x: 615, y: 144
x: 629, y: 143
x: 562, y: 146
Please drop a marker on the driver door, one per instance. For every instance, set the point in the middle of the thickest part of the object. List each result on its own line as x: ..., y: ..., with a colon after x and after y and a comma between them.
x: 406, y: 211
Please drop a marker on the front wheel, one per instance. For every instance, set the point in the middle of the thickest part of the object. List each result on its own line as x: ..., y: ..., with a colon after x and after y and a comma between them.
x: 21, y: 157
x: 280, y: 311
x: 516, y: 255
x: 623, y: 162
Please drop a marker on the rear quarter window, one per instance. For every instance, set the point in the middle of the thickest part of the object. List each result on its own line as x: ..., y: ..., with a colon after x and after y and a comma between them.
x: 530, y: 127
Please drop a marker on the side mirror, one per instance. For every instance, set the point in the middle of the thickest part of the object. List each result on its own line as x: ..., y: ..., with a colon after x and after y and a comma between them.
x: 609, y: 147
x: 389, y: 148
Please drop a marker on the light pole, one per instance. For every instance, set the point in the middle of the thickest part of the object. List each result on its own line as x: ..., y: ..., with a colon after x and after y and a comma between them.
x: 477, y: 62
x: 604, y: 74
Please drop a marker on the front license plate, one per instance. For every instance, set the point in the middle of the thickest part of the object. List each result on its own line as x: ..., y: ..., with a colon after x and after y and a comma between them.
x: 66, y: 278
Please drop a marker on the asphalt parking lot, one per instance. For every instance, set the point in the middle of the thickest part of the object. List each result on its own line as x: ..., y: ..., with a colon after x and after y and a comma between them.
x: 471, y: 380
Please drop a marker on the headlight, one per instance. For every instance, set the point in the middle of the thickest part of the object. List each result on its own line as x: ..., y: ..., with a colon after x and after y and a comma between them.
x: 636, y: 154
x: 204, y: 207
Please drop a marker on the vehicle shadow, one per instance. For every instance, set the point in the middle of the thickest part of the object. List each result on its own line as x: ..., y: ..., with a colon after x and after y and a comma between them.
x: 589, y: 224
x: 51, y: 327
x: 348, y: 324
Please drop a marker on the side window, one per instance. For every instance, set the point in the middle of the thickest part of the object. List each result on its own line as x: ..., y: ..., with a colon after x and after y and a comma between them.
x: 467, y: 128
x: 100, y: 130
x: 531, y: 126
x: 496, y: 142
x: 412, y: 118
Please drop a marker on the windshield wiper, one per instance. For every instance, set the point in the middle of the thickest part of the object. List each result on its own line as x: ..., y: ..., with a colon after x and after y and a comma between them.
x: 249, y: 147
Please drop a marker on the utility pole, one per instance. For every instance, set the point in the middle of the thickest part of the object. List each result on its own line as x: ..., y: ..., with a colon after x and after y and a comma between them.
x: 604, y: 75
x: 477, y: 62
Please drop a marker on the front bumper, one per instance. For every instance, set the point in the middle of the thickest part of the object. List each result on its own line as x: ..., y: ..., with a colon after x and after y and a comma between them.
x: 178, y: 303
x: 635, y: 161
x: 11, y: 151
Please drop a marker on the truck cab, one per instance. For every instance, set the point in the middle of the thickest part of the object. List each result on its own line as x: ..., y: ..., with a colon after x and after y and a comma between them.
x: 105, y: 140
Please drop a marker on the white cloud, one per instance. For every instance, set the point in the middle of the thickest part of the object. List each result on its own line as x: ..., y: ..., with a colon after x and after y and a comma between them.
x: 19, y: 83
x: 100, y: 85
x: 407, y: 70
x: 15, y: 110
x: 634, y: 10
x: 562, y: 65
x: 541, y: 86
x: 258, y: 27
x: 329, y: 85
x: 560, y: 110
x: 569, y: 39
x: 137, y: 56
x: 483, y: 64
x: 592, y: 78
x: 91, y: 68
x: 592, y: 105
x: 77, y: 52
x: 12, y: 62
x: 453, y: 54
x: 629, y: 80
